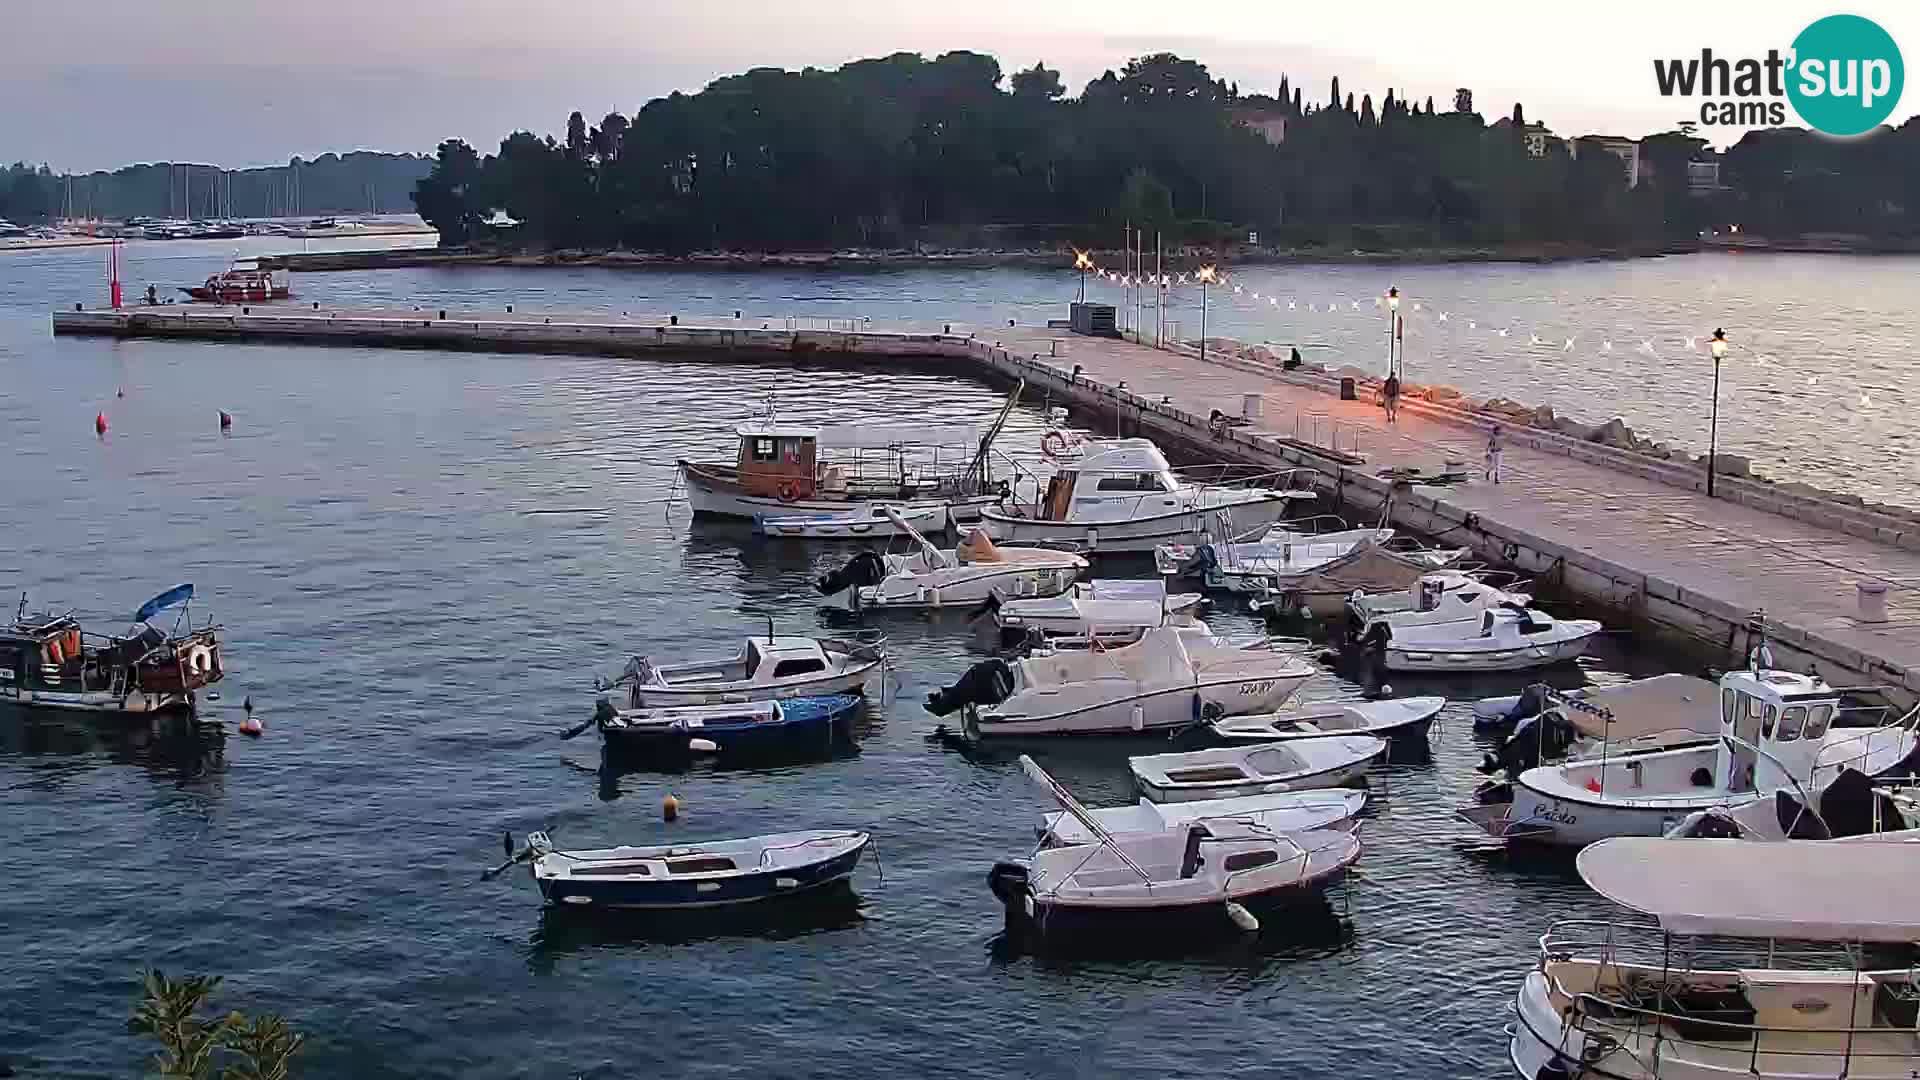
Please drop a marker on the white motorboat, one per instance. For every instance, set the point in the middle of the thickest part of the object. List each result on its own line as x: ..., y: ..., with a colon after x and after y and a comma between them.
x: 1754, y: 965
x: 1659, y: 713
x: 1449, y: 621
x: 1202, y: 874
x: 1163, y: 681
x: 872, y: 523
x: 1122, y: 495
x: 785, y: 471
x: 692, y: 876
x: 765, y: 669
x: 1398, y: 718
x: 1229, y: 771
x: 1773, y: 733
x: 1112, y: 610
x: 1852, y: 806
x: 973, y: 573
x: 1280, y: 812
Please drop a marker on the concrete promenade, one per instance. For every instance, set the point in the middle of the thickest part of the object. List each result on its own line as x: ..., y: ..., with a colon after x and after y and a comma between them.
x: 1611, y: 527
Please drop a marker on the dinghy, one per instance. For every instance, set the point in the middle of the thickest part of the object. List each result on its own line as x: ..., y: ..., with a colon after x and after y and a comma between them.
x: 1232, y: 771
x: 1117, y: 611
x: 764, y: 669
x: 869, y: 523
x: 1773, y: 734
x: 1281, y: 812
x: 1163, y: 681
x: 712, y: 874
x: 1199, y: 875
x: 1399, y: 718
x: 1659, y: 713
x: 976, y: 571
x: 1122, y: 495
x: 1452, y: 622
x: 806, y: 721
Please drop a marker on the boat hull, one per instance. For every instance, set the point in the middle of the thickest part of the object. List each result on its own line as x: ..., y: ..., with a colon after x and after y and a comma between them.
x: 1062, y: 921
x: 708, y: 496
x: 1335, y: 776
x: 807, y: 724
x: 1441, y: 657
x: 668, y: 894
x: 1006, y: 581
x: 1042, y: 713
x: 851, y: 680
x: 98, y: 702
x: 847, y: 526
x: 1137, y: 535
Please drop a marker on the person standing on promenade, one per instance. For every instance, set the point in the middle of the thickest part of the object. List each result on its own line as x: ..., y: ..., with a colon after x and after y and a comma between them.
x: 1493, y: 455
x: 1391, y: 392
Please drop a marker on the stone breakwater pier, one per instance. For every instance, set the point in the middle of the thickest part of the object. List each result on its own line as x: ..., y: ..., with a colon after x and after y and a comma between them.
x: 1614, y: 526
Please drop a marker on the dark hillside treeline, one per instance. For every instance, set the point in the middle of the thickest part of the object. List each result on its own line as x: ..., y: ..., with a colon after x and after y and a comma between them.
x: 903, y: 150
x: 355, y: 183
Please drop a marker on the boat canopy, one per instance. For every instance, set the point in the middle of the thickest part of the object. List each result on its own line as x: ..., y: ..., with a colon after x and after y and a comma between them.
x: 886, y: 436
x: 1805, y: 890
x: 173, y: 597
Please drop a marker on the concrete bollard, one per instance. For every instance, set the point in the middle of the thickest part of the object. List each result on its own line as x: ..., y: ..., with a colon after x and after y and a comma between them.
x: 736, y: 313
x: 673, y: 320
x: 78, y: 307
x: 443, y: 313
x: 1873, y: 601
x: 246, y: 311
x: 316, y: 306
x: 509, y: 309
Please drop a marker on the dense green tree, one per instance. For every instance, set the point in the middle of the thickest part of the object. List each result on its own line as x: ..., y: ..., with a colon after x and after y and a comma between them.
x: 1039, y: 81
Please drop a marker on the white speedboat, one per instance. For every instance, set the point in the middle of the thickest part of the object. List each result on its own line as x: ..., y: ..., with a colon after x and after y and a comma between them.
x: 1280, y: 812
x: 1108, y: 609
x: 1163, y: 681
x: 977, y: 571
x: 1750, y: 961
x: 1201, y: 874
x: 872, y: 523
x: 1398, y: 718
x: 1773, y: 734
x: 1121, y: 495
x: 1853, y: 806
x: 1449, y: 621
x: 1230, y: 771
x: 765, y: 669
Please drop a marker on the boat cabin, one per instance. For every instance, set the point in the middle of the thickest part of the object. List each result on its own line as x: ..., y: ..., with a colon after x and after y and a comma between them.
x: 1114, y: 479
x: 1778, y: 721
x: 855, y: 461
x: 778, y: 460
x: 776, y: 659
x: 51, y: 654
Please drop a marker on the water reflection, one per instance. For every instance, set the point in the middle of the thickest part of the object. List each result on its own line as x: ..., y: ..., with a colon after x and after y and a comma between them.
x: 1306, y: 930
x: 179, y: 748
x: 569, y: 931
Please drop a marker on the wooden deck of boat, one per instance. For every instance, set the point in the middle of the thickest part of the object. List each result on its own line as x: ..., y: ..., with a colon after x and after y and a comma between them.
x: 1653, y: 545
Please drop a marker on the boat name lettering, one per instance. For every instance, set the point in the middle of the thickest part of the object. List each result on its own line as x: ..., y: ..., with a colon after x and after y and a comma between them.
x: 1548, y: 812
x: 1264, y: 686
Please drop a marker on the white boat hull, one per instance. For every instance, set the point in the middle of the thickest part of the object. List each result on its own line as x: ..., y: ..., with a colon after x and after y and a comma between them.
x: 1065, y: 710
x: 1322, y: 719
x: 1326, y: 778
x: 1138, y: 534
x: 1006, y: 580
x: 852, y: 680
x: 848, y: 525
x: 1466, y: 655
x: 99, y: 702
x: 1295, y: 811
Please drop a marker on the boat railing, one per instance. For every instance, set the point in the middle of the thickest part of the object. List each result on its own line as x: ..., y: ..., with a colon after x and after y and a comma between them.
x: 1233, y: 474
x: 1642, y: 943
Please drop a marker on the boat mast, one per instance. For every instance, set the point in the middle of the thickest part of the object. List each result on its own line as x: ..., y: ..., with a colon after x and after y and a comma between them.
x: 979, y: 466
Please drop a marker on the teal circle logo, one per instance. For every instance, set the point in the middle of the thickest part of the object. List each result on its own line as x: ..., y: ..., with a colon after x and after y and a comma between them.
x: 1847, y: 75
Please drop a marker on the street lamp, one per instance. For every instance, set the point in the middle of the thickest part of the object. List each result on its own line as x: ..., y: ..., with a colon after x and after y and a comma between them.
x: 1719, y: 348
x: 1393, y: 317
x: 1082, y: 264
x: 1207, y: 277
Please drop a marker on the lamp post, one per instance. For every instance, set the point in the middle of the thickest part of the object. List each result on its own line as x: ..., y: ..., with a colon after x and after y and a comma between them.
x: 1719, y: 348
x: 1082, y: 264
x: 1207, y: 277
x: 1393, y: 317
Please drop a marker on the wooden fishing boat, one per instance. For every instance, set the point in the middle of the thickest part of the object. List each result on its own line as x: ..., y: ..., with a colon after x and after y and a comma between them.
x: 711, y: 874
x: 242, y: 283
x: 48, y: 661
x: 727, y: 728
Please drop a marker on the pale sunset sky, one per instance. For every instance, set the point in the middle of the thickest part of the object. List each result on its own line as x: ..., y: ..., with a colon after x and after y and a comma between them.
x: 109, y: 82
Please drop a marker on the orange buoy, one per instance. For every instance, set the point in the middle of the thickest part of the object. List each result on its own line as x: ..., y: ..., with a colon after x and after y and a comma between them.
x: 99, y: 423
x: 253, y: 726
x: 670, y: 807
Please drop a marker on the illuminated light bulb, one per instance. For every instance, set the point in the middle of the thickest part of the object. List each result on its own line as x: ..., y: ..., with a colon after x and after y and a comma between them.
x: 1274, y: 301
x: 1293, y: 305
x: 1236, y: 289
x: 1607, y: 345
x: 1568, y: 347
x: 1416, y: 305
x: 1533, y: 339
x: 1443, y: 316
x: 1473, y: 324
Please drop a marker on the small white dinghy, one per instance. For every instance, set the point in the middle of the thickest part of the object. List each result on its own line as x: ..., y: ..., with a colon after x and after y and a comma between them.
x: 1399, y: 718
x: 1450, y: 621
x: 1251, y: 770
x: 1281, y: 812
x: 1105, y: 608
x: 1199, y: 875
x: 976, y: 571
x: 765, y: 669
x: 868, y: 523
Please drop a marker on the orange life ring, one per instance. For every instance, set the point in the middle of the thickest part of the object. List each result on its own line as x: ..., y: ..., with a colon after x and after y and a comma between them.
x: 789, y: 491
x: 1052, y: 445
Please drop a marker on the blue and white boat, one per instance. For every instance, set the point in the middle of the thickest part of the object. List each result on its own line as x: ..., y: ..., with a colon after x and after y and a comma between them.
x: 735, y: 726
x: 720, y: 873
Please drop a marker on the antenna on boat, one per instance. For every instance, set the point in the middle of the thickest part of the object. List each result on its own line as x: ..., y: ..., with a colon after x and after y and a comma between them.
x: 1760, y: 655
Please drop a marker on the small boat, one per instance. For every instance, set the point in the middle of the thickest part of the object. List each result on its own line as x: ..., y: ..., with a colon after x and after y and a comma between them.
x: 1165, y: 680
x: 729, y: 727
x: 712, y: 874
x: 871, y: 524
x: 1229, y: 771
x: 1450, y: 621
x: 1395, y: 719
x: 977, y: 571
x: 243, y: 283
x: 1659, y: 713
x: 1750, y: 960
x: 1114, y: 611
x: 1201, y: 875
x: 48, y: 662
x: 1281, y: 812
x: 1852, y: 806
x: 1773, y: 733
x: 1122, y: 495
x: 764, y: 669
x: 1286, y: 570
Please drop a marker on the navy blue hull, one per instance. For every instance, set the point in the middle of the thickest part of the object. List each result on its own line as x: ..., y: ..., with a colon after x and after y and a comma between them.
x: 814, y: 732
x: 691, y: 893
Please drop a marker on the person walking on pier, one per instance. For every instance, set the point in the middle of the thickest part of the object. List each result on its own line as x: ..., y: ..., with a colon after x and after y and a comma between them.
x: 1493, y: 455
x: 1391, y: 394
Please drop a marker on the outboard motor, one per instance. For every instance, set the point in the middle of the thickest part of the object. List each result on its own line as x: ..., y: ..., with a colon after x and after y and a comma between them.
x: 865, y: 568
x: 1710, y: 824
x: 1533, y: 699
x: 1848, y: 805
x: 1201, y: 563
x: 1010, y: 883
x: 988, y: 682
x: 1538, y: 739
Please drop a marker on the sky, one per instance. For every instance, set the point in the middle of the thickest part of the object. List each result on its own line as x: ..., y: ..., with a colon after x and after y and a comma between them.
x: 109, y: 82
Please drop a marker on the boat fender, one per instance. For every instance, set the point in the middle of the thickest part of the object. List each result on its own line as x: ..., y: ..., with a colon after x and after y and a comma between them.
x: 703, y: 746
x: 1003, y: 491
x: 253, y: 726
x: 1138, y: 719
x: 1053, y: 444
x: 669, y: 807
x: 788, y: 491
x: 1242, y: 918
x: 200, y: 659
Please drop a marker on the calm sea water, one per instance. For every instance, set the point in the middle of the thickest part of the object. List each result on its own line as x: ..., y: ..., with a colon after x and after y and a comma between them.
x: 416, y: 636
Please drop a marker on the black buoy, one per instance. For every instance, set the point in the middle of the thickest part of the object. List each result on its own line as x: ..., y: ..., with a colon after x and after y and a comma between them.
x: 226, y: 420
x: 506, y: 843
